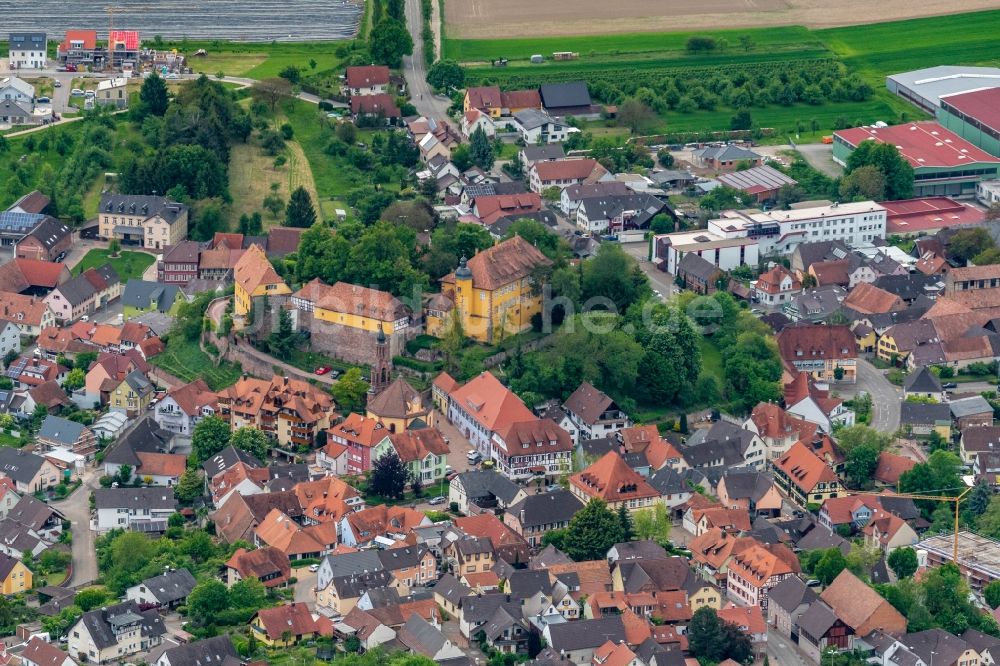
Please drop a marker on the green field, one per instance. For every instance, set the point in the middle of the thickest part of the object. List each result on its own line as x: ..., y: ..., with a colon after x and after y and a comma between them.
x: 872, y: 51
x: 482, y: 50
x: 185, y: 360
x: 129, y: 265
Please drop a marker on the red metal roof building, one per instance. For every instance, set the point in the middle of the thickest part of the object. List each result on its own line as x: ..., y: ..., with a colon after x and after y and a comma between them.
x: 943, y: 162
x: 974, y: 116
x: 927, y: 215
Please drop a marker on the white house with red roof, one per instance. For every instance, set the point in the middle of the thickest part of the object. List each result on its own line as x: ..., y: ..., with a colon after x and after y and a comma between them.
x: 367, y: 80
x: 483, y: 407
x: 776, y: 286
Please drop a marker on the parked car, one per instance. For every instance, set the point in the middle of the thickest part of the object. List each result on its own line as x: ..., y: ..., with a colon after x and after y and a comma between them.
x: 57, y: 84
x: 474, y: 457
x: 76, y: 92
x: 322, y: 370
x: 314, y: 568
x: 949, y: 385
x: 43, y: 100
x: 434, y: 501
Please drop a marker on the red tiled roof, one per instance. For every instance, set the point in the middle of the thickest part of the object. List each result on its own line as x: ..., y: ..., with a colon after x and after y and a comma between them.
x: 88, y: 37
x: 804, y: 468
x: 816, y: 341
x: 294, y: 618
x: 367, y: 76
x: 261, y: 563
x: 770, y: 281
x: 891, y: 467
x: 382, y: 104
x: 41, y: 273
x: 130, y: 38
x: 484, y: 97
x: 491, y: 403
x: 492, y: 207
x: 750, y: 619
x: 612, y: 480
x: 567, y: 169
x: 868, y: 299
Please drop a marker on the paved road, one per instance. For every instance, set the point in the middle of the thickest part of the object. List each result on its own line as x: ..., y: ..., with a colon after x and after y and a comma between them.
x: 76, y: 508
x: 661, y: 282
x: 421, y: 95
x: 782, y: 651
x: 885, y: 397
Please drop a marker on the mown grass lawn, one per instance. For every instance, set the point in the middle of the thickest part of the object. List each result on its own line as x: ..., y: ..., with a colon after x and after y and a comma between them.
x: 128, y: 264
x: 185, y: 360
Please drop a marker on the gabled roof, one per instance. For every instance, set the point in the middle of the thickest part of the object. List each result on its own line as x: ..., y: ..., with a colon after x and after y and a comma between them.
x: 868, y: 299
x: 588, y: 403
x: 791, y: 593
x: 583, y: 634
x: 215, y: 651
x: 567, y: 169
x: 171, y: 586
x: 759, y: 563
x: 491, y: 403
x: 294, y: 617
x: 564, y: 95
x: 804, y: 468
x: 857, y: 604
x: 813, y: 341
x: 253, y: 270
x: 507, y: 261
x: 415, y: 445
x: 546, y: 508
x: 397, y: 400
x: 261, y: 563
x: 367, y: 76
x: 135, y: 498
x: 20, y: 465
x: 141, y: 294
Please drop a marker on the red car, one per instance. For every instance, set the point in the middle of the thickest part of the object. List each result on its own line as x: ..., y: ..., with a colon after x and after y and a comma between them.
x: 322, y: 370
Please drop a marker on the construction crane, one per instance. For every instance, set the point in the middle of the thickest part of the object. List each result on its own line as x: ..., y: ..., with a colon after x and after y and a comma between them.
x: 957, y: 499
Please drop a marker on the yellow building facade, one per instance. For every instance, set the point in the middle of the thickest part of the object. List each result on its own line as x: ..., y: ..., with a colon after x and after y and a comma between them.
x: 254, y: 276
x: 492, y: 295
x: 18, y: 579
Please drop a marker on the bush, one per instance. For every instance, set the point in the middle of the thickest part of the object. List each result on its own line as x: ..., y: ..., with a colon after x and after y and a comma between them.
x: 700, y: 44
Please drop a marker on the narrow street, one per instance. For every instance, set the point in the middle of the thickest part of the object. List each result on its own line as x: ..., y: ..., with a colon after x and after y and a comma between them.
x: 421, y: 95
x: 782, y: 651
x: 76, y: 508
x: 885, y: 396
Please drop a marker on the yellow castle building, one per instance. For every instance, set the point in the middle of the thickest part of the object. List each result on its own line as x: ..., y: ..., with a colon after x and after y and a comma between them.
x: 493, y: 294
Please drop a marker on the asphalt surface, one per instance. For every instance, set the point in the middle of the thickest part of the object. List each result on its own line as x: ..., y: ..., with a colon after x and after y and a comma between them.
x: 422, y: 96
x: 885, y: 396
x: 781, y: 650
x: 820, y: 157
x: 76, y: 508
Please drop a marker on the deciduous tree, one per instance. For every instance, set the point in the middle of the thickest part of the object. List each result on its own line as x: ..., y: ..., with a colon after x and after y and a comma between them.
x: 389, y: 42
x: 253, y: 441
x: 210, y: 436
x: 592, y: 531
x: 903, y: 562
x: 350, y: 390
x: 389, y: 476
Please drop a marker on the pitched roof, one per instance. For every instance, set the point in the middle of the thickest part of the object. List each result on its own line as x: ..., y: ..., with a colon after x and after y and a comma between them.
x: 397, y: 400
x: 507, y: 261
x: 171, y: 586
x: 812, y: 341
x: 193, y: 397
x: 804, y: 468
x: 215, y: 651
x: 491, y: 403
x: 546, y: 508
x: 261, y: 563
x: 20, y: 465
x: 367, y: 76
x: 855, y: 603
x: 294, y: 617
x: 415, y: 445
x: 588, y: 403
x: 791, y: 593
x: 760, y: 563
x: 922, y: 381
x: 868, y: 299
x: 141, y: 294
x: 567, y: 169
x: 612, y: 480
x: 564, y: 95
x: 253, y: 270
x: 43, y: 653
x: 583, y: 634
x: 135, y: 498
x: 354, y: 299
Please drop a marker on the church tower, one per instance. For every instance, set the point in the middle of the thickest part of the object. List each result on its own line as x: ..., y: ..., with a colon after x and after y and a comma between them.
x: 382, y: 368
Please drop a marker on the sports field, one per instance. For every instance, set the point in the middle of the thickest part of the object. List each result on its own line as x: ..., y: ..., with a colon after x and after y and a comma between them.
x: 472, y: 19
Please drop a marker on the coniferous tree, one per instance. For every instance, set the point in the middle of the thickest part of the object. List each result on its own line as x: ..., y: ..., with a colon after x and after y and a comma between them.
x: 300, y: 211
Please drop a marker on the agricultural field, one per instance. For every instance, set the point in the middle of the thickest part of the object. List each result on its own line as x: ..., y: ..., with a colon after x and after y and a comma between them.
x: 259, y: 60
x: 475, y: 19
x: 848, y: 65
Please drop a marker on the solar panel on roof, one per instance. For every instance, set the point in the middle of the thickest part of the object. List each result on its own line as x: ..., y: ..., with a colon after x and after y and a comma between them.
x: 17, y: 221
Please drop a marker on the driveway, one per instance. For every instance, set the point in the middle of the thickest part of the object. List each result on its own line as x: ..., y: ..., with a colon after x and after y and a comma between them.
x: 660, y: 281
x: 421, y: 95
x: 76, y: 508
